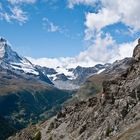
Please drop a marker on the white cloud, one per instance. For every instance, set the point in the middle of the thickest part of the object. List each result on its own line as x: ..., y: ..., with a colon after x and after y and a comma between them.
x: 125, y: 50
x: 103, y: 50
x: 5, y: 16
x: 127, y: 10
x: 72, y: 3
x: 103, y: 18
x: 113, y: 11
x: 50, y: 26
x: 19, y: 15
x: 16, y: 14
x: 21, y: 1
x: 13, y: 11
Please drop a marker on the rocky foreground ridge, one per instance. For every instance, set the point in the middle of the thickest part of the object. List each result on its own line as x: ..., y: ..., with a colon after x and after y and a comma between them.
x: 113, y: 114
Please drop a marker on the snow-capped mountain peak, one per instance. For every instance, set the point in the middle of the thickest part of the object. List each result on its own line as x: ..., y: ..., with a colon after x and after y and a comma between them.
x: 10, y: 60
x: 7, y: 54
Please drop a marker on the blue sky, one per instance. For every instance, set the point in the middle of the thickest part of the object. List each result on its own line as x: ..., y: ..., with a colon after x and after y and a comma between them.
x: 33, y: 38
x: 76, y: 31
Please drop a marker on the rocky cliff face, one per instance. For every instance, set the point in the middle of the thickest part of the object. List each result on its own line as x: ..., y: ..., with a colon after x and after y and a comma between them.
x: 136, y: 53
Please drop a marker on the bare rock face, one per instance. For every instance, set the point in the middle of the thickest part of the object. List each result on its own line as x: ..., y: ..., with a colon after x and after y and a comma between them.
x: 136, y: 53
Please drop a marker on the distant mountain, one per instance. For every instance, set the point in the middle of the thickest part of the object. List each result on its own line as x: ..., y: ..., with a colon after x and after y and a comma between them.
x: 71, y: 78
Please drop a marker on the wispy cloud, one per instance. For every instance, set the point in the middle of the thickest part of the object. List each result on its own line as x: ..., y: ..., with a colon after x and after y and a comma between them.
x: 14, y: 14
x: 12, y: 10
x: 21, y: 1
x: 50, y: 26
x: 72, y: 3
x: 53, y: 28
x: 19, y: 15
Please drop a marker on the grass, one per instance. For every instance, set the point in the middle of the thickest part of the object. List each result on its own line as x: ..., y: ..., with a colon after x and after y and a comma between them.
x: 15, y: 85
x: 92, y: 86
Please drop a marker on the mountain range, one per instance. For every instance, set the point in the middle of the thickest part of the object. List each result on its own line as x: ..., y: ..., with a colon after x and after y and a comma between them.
x: 90, y: 103
x: 62, y: 78
x: 112, y: 113
x: 72, y: 78
x: 30, y: 93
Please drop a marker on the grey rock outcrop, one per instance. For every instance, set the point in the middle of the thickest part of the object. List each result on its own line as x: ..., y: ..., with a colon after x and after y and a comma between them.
x: 136, y: 53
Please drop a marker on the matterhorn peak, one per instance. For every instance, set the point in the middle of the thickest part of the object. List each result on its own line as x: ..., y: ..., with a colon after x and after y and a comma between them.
x: 6, y: 53
x: 136, y: 52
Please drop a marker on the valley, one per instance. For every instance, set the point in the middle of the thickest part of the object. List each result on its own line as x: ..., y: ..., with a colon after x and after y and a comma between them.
x: 111, y: 113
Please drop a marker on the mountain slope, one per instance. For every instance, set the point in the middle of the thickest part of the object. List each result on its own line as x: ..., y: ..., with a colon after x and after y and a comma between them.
x: 105, y: 115
x: 112, y: 114
x: 6, y: 129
